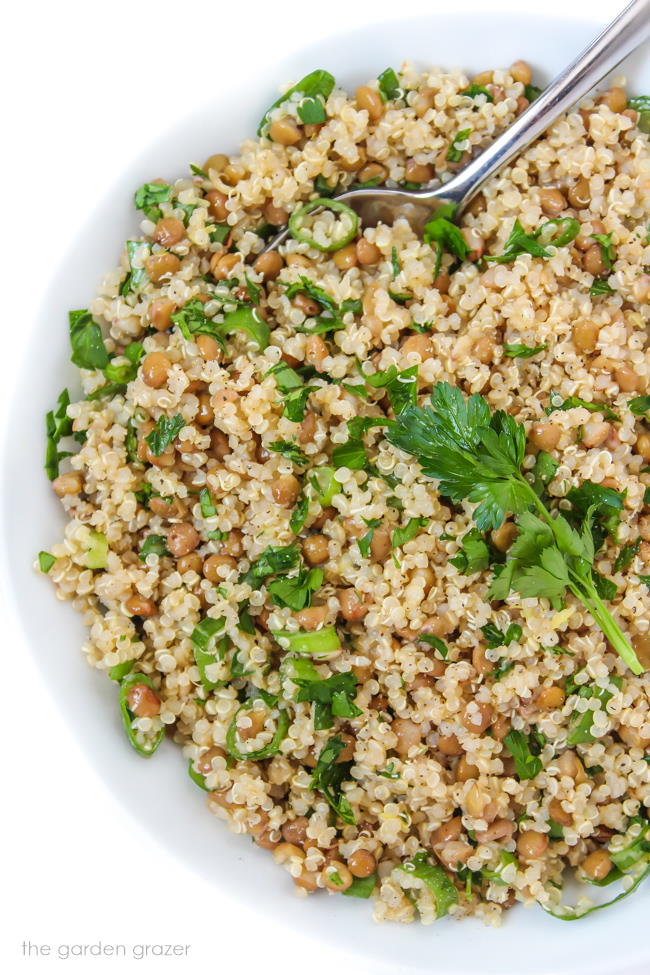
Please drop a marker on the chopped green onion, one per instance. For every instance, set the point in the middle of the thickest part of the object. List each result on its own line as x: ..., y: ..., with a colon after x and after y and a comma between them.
x: 315, y: 643
x: 348, y: 223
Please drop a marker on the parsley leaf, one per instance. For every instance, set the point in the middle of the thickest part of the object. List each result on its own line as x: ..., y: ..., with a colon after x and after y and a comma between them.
x: 454, y: 154
x: 332, y: 697
x: 149, y: 195
x: 389, y: 86
x: 86, y: 340
x: 607, y: 252
x: 402, y: 387
x: 474, y: 553
x: 274, y: 560
x: 299, y: 514
x: 543, y: 472
x: 519, y: 242
x: 626, y: 556
x: 473, y: 455
x: 474, y: 90
x: 406, y: 533
x: 476, y: 455
x: 581, y: 723
x: 290, y: 451
x: 639, y: 405
x: 527, y: 764
x: 557, y: 403
x: 165, y: 430
x: 296, y: 591
x: 153, y: 543
x: 208, y: 509
x: 494, y: 637
x: 605, y: 504
x: 290, y: 384
x: 531, y: 92
x: 191, y: 320
x: 436, y: 643
x: 311, y: 90
x: 328, y: 778
x: 442, y: 231
x: 518, y: 351
x: 365, y: 541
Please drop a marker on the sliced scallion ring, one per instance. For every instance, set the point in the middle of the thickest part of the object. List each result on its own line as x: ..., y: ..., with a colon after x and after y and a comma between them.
x: 145, y: 743
x: 268, y: 750
x: 324, y: 484
x: 347, y: 225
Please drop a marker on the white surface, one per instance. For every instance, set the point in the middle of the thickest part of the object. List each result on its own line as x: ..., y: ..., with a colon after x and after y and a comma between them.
x: 90, y: 88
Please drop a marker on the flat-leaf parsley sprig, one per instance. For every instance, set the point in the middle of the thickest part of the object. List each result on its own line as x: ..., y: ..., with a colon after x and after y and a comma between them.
x: 476, y: 455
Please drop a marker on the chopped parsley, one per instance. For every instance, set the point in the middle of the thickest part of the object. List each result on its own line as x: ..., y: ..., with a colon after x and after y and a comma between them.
x: 475, y: 90
x: 580, y: 724
x: 527, y: 764
x: 329, y: 776
x: 290, y: 451
x: 333, y: 697
x: 607, y: 252
x: 164, y: 432
x: 86, y: 341
x: 292, y: 387
x: 639, y: 405
x: 295, y: 591
x: 406, y: 533
x: 274, y: 560
x: 474, y: 554
x: 441, y: 230
x: 494, y: 637
x: 454, y: 154
x: 149, y: 197
x: 518, y: 351
x: 310, y: 93
x: 153, y: 544
x: 389, y: 86
x: 570, y: 403
x: 627, y: 555
x: 436, y: 642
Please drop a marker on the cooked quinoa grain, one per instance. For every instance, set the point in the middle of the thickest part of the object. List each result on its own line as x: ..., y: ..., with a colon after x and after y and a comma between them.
x: 282, y: 590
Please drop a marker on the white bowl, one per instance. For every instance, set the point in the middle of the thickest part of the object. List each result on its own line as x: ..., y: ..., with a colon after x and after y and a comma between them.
x: 159, y: 792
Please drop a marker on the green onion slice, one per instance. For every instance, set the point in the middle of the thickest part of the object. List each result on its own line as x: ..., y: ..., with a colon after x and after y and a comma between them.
x: 271, y: 749
x: 325, y: 484
x: 346, y: 226
x: 315, y: 643
x: 145, y: 743
x: 435, y: 878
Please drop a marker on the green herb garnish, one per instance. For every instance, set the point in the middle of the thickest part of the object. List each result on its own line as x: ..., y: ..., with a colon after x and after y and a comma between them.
x: 476, y: 455
x: 518, y: 351
x: 329, y: 776
x: 165, y: 431
x: 454, y: 154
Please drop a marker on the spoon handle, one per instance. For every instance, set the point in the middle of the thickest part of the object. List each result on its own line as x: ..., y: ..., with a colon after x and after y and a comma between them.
x: 625, y: 33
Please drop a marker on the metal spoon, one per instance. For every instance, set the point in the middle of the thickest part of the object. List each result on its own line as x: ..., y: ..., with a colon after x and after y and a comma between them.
x: 625, y: 33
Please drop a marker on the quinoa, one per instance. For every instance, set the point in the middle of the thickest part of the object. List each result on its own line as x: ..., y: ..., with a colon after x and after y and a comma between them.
x: 416, y: 775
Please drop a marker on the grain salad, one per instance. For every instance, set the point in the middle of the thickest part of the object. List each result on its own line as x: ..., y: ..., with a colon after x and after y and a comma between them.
x: 363, y: 523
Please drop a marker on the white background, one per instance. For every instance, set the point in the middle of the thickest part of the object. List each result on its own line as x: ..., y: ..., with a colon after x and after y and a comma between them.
x: 86, y: 85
